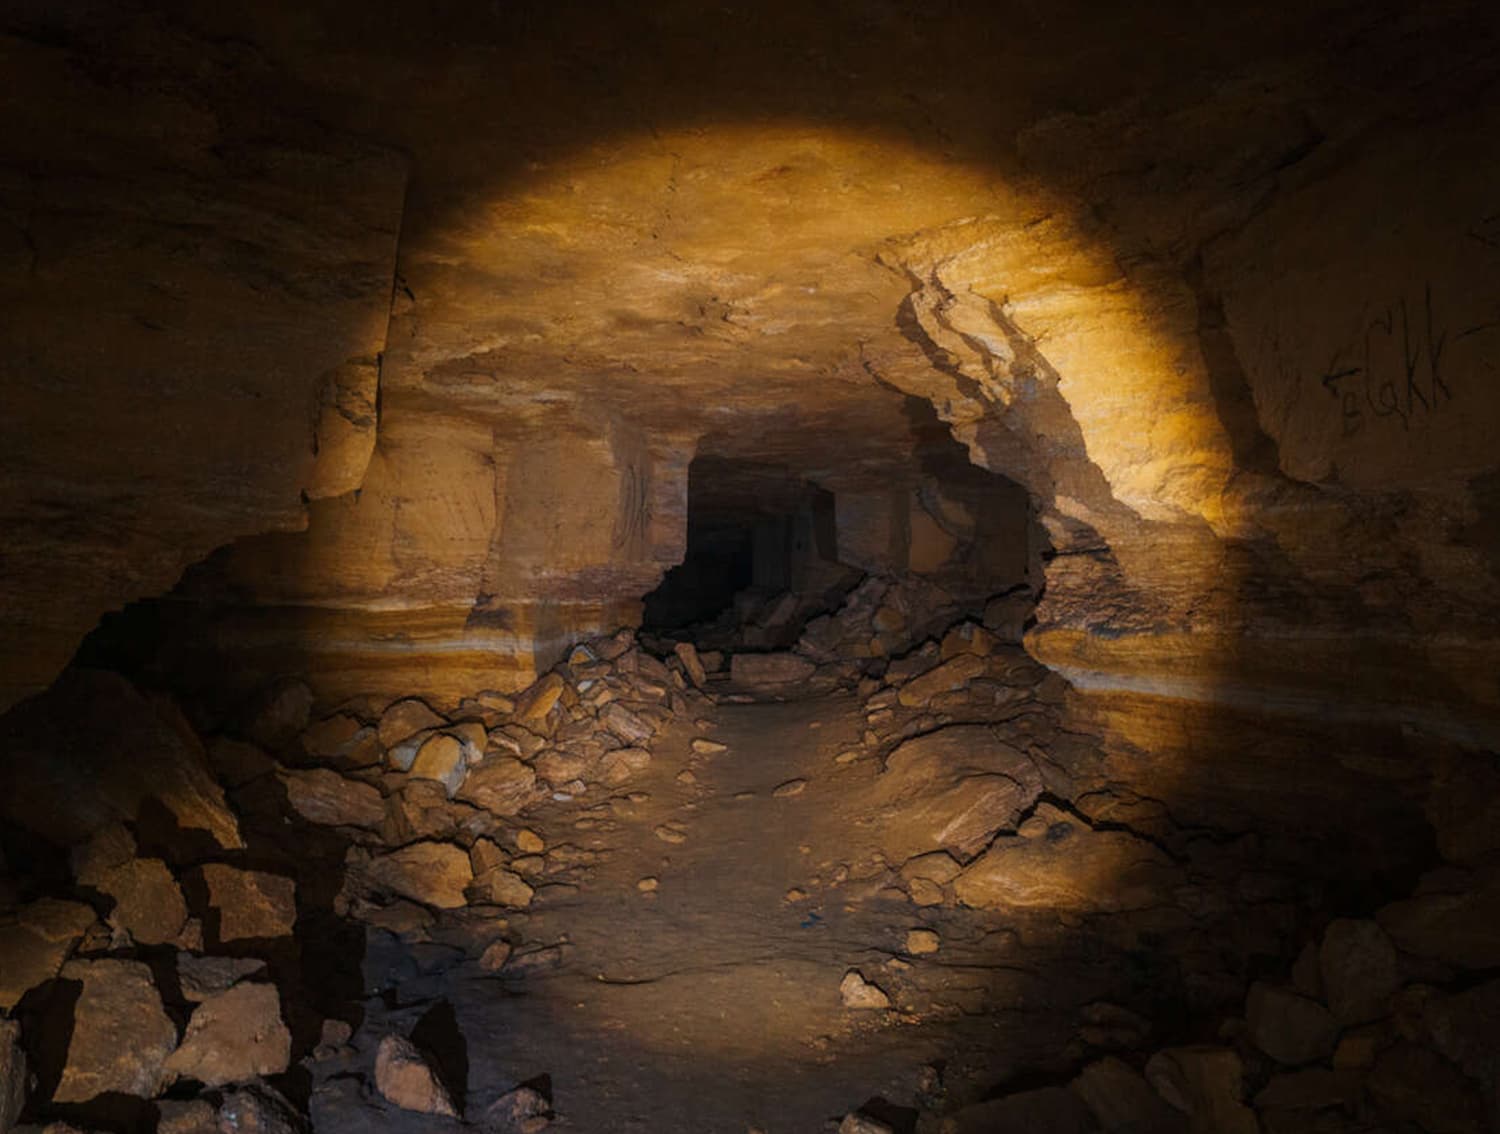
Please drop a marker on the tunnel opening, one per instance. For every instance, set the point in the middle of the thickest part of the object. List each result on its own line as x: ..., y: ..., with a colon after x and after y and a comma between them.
x: 761, y: 559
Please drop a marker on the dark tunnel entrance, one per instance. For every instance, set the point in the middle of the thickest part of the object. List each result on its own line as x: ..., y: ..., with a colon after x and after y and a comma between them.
x: 762, y: 557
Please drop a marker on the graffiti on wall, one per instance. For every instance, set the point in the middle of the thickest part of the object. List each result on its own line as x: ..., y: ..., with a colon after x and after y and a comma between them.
x: 1394, y: 369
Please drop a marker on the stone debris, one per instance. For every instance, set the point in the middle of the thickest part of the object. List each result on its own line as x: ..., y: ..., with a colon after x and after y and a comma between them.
x: 234, y: 1036
x: 404, y: 1079
x: 324, y: 797
x: 434, y: 874
x: 922, y: 942
x: 441, y: 758
x: 250, y: 904
x: 121, y: 1036
x: 519, y: 1111
x: 404, y: 719
x: 859, y: 994
x: 980, y: 808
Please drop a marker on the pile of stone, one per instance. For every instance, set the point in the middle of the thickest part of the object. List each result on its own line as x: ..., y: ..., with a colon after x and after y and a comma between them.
x: 149, y: 969
x: 1355, y: 1040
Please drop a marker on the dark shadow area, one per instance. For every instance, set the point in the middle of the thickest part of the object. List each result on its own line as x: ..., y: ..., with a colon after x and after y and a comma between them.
x: 761, y: 559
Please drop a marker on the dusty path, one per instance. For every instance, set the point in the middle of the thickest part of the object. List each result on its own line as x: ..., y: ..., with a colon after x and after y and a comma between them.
x: 711, y: 1003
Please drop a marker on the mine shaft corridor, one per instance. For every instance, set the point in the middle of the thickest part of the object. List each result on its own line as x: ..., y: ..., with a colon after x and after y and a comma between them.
x: 749, y: 568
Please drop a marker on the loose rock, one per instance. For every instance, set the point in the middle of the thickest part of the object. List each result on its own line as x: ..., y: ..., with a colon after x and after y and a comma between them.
x: 860, y: 994
x: 121, y: 1037
x: 250, y: 903
x: 233, y: 1037
x: 405, y: 1080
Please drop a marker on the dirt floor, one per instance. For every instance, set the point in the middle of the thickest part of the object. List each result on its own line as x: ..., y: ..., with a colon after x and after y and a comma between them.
x: 711, y: 1002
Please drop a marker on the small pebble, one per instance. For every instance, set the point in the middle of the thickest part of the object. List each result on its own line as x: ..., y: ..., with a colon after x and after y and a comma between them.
x: 529, y: 842
x: 670, y: 834
x: 796, y: 895
x: 646, y: 885
x: 790, y: 788
x: 920, y: 942
x: 686, y: 777
x: 705, y: 747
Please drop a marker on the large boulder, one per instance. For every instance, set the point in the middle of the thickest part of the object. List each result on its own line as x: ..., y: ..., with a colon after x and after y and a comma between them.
x: 322, y: 796
x: 500, y: 784
x: 234, y: 1037
x: 435, y: 874
x: 121, y: 1036
x: 950, y: 790
x: 249, y: 904
x: 1070, y: 868
x: 94, y: 750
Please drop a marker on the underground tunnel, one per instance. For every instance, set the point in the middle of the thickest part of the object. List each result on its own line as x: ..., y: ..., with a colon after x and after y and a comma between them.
x: 867, y: 569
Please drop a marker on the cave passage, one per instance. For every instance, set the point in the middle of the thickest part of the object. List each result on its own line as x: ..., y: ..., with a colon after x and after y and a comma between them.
x: 761, y: 558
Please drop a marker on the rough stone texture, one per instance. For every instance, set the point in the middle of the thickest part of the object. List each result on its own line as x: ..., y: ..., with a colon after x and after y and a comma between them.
x: 250, y: 904
x: 257, y: 1108
x: 769, y: 669
x: 294, y: 234
x: 859, y: 994
x: 501, y: 785
x: 951, y: 790
x: 94, y: 750
x: 233, y: 1037
x: 521, y: 1111
x: 148, y: 903
x: 435, y: 874
x: 1073, y: 867
x: 403, y: 1077
x: 321, y: 795
x: 121, y: 1037
x: 34, y: 943
x: 404, y: 719
x: 441, y: 758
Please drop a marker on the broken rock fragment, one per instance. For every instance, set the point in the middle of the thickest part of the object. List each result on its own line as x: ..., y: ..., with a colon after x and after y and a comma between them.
x: 121, y: 1037
x: 435, y: 874
x: 234, y: 1037
x: 34, y: 943
x: 250, y: 903
x: 405, y: 1080
x: 859, y: 994
x: 322, y: 796
x: 441, y: 758
x: 521, y: 1111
